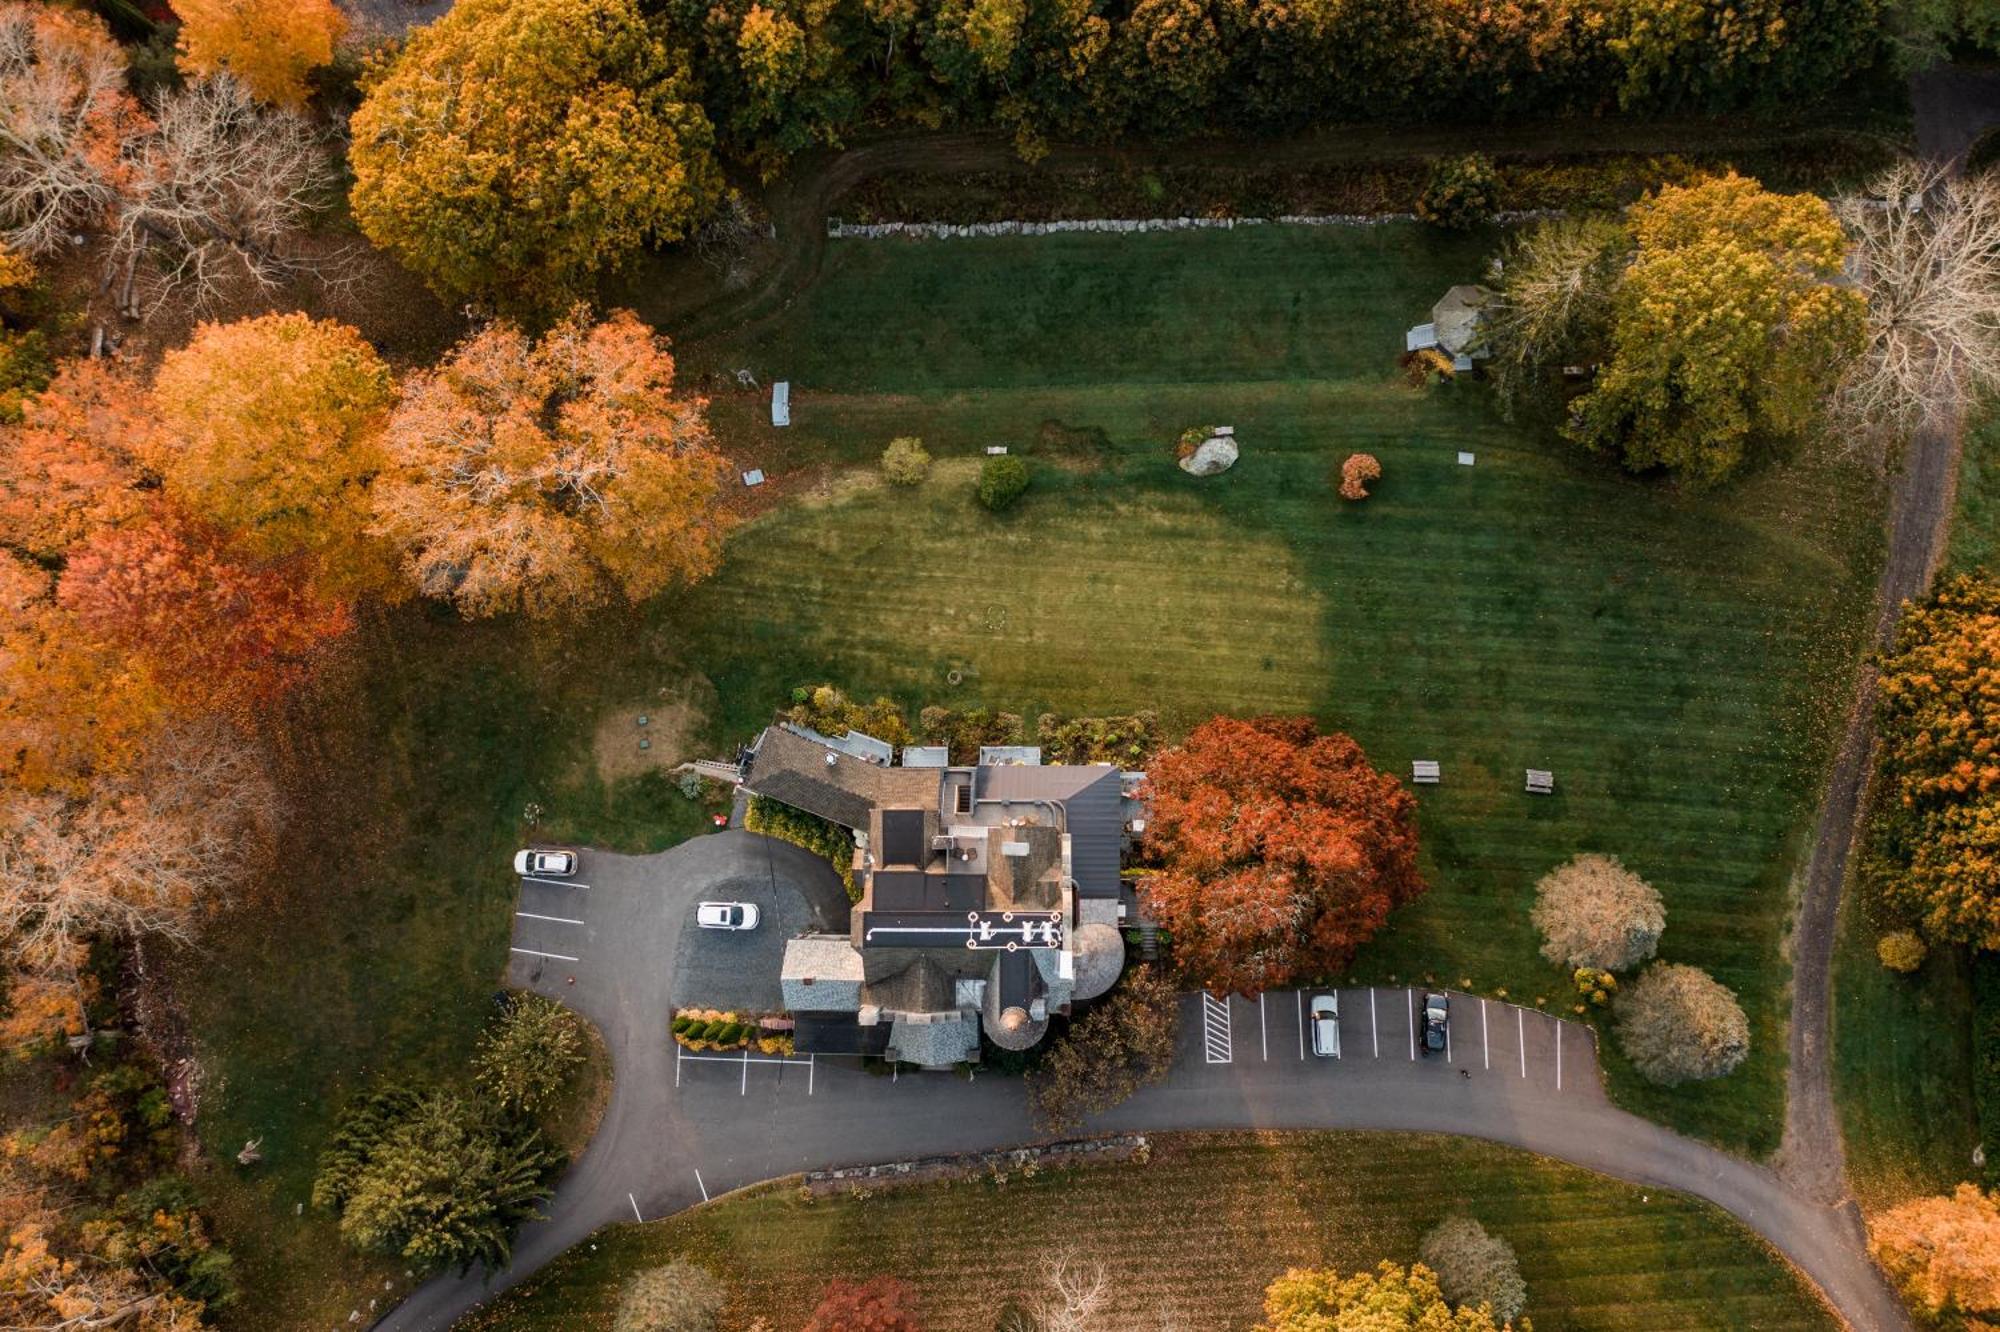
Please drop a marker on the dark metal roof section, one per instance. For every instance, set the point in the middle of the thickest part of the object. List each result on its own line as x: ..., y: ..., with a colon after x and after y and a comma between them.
x: 903, y: 839
x: 1093, y: 815
x: 837, y: 1034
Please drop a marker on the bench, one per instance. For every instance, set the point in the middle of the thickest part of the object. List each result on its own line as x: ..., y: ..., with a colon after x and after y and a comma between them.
x: 781, y: 403
x: 1541, y: 782
x: 1424, y: 772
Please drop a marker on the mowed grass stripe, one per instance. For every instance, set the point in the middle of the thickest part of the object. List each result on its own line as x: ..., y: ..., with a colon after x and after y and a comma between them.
x: 1206, y: 1225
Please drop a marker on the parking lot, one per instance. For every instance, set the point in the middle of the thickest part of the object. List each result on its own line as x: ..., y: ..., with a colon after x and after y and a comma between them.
x: 551, y: 927
x: 1484, y: 1037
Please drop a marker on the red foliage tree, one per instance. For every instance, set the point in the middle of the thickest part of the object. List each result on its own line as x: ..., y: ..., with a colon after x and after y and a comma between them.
x: 215, y: 632
x: 879, y: 1304
x: 1282, y: 851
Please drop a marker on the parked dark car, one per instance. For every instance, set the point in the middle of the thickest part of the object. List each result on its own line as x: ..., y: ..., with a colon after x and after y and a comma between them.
x: 1437, y: 1017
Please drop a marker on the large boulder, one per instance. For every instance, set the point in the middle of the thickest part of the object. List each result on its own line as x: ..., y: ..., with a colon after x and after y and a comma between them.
x: 1217, y: 454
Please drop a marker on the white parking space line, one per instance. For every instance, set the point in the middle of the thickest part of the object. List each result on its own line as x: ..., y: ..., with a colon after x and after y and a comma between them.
x: 1485, y: 1046
x: 744, y: 1059
x: 698, y: 1184
x: 1447, y: 1038
x: 1300, y: 995
x: 553, y: 883
x: 1263, y: 1029
x: 1215, y: 1029
x: 1412, y: 996
x: 635, y: 1209
x: 532, y: 952
x: 809, y: 1074
x: 746, y: 1070
x: 1374, y: 1032
x: 560, y: 920
x: 1521, y: 1035
x: 677, y: 1063
x: 1559, y: 1054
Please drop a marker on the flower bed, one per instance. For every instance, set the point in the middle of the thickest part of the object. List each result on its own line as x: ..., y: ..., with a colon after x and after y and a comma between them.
x: 719, y: 1029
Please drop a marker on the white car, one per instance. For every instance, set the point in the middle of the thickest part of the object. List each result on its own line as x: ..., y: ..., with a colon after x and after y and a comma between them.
x: 545, y: 862
x: 1326, y: 1026
x: 726, y: 915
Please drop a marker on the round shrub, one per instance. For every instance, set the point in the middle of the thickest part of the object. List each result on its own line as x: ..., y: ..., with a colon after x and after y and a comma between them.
x: 1902, y: 950
x: 905, y: 462
x: 1679, y: 1024
x: 1593, y: 912
x: 1475, y: 1268
x: 1002, y: 480
x: 682, y: 1022
x: 678, y: 1297
x: 1460, y: 193
x: 1356, y: 473
x: 528, y: 1055
x: 695, y: 1030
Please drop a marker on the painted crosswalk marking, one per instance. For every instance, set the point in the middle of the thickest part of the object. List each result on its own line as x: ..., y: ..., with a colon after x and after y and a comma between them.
x: 1215, y: 1028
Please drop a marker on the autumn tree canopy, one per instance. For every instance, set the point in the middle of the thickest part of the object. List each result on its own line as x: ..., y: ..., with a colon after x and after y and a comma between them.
x: 1679, y: 1024
x: 1937, y: 853
x: 515, y: 149
x: 1389, y: 1299
x: 270, y: 429
x: 1281, y: 851
x: 77, y: 460
x: 879, y: 1304
x: 1943, y: 1254
x: 215, y: 632
x: 1728, y: 329
x: 269, y: 44
x: 547, y: 475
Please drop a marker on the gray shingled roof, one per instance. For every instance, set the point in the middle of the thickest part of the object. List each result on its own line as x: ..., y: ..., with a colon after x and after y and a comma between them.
x: 934, y: 1044
x: 792, y: 769
x: 834, y: 965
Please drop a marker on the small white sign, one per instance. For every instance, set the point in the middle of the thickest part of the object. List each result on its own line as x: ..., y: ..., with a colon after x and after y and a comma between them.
x: 754, y: 477
x: 1464, y: 460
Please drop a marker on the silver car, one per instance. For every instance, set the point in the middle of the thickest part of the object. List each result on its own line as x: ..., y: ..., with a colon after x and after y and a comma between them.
x: 1326, y: 1026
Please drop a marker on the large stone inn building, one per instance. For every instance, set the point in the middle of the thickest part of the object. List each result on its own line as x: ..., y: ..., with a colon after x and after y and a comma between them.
x: 990, y: 895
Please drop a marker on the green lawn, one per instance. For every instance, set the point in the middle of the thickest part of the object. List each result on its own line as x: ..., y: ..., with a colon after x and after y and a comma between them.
x: 1677, y: 661
x: 1903, y: 1044
x: 1596, y: 1253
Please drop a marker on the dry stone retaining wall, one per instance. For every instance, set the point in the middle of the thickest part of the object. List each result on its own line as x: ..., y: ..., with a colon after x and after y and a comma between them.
x: 838, y: 230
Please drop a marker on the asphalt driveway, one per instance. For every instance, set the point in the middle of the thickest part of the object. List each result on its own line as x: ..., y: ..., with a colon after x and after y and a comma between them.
x: 738, y: 969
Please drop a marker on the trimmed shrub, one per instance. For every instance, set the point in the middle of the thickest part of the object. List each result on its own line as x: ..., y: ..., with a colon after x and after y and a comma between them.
x: 1475, y: 1268
x: 1461, y: 193
x: 1356, y: 473
x: 905, y: 462
x: 1679, y: 1024
x: 681, y: 1023
x: 1003, y: 480
x: 1902, y: 950
x: 1593, y: 912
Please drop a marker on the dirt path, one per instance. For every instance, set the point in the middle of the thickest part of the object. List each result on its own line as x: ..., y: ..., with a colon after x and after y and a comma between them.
x: 1953, y: 108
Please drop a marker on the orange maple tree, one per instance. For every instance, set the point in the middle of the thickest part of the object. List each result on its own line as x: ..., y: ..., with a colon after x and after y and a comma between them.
x: 879, y: 1304
x: 74, y: 463
x: 543, y: 475
x: 1280, y: 849
x: 214, y: 631
x: 1943, y: 1253
x: 70, y: 709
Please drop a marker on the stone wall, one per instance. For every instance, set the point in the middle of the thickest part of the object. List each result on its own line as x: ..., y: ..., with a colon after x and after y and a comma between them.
x: 839, y: 230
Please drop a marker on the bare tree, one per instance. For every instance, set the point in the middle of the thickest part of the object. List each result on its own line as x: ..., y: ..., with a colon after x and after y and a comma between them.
x: 148, y: 853
x: 217, y: 191
x: 64, y: 120
x: 1927, y: 257
x: 1554, y: 298
x: 202, y: 194
x: 1076, y: 1293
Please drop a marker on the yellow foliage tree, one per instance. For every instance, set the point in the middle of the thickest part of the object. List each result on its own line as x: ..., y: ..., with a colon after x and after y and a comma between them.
x: 271, y: 45
x: 1943, y: 1253
x: 545, y: 475
x: 1727, y: 330
x: 271, y: 429
x: 517, y: 148
x: 1389, y: 1299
